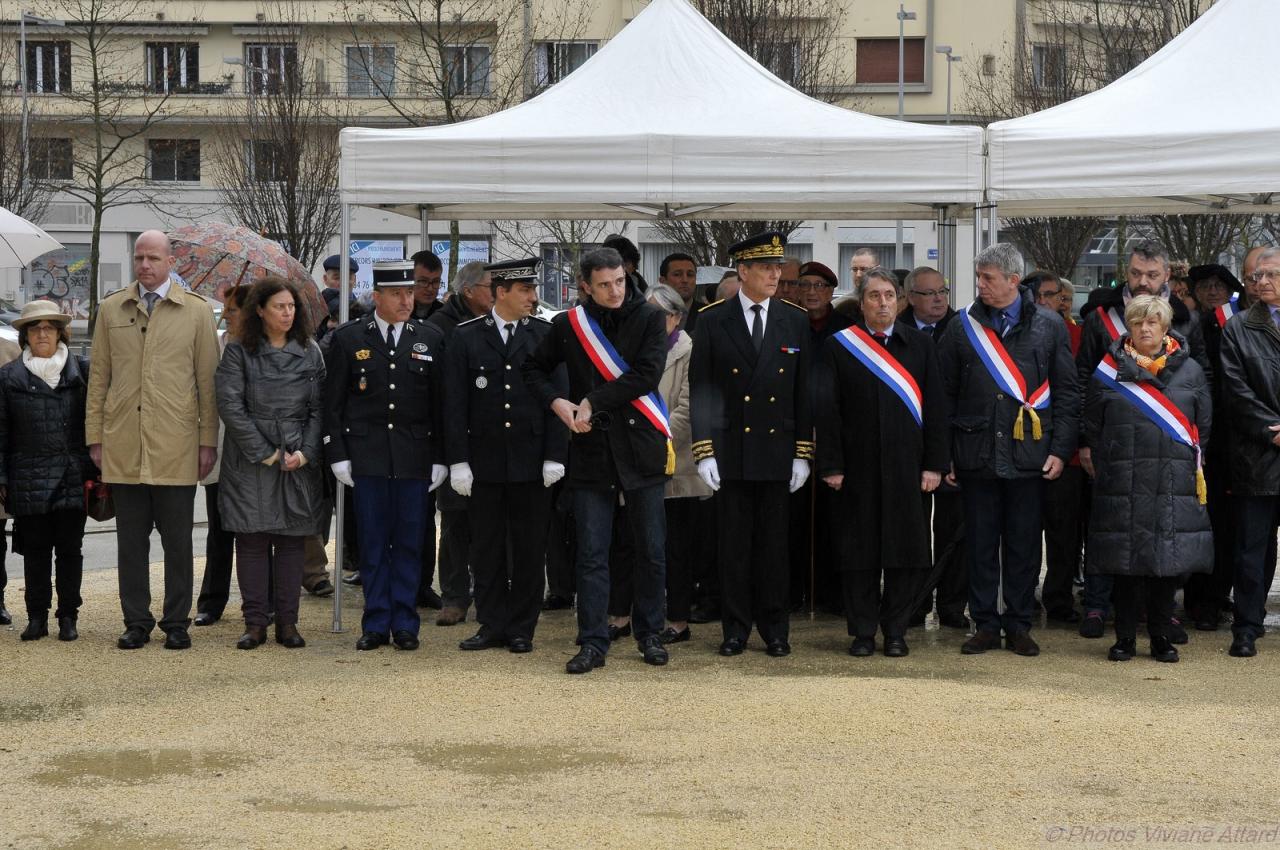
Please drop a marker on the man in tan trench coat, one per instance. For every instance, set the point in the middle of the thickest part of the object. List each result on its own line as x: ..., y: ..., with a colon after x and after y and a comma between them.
x: 151, y: 423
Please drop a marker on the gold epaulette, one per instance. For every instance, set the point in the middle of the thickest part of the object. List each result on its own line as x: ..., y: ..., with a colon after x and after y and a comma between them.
x: 709, y: 306
x: 792, y: 304
x: 804, y: 449
x: 703, y: 450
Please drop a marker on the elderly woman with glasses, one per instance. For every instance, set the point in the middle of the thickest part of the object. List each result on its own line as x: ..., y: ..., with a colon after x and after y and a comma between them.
x: 44, y: 463
x: 1147, y: 412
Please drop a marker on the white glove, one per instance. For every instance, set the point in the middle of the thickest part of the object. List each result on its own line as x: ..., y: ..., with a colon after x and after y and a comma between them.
x: 460, y: 478
x: 342, y: 472
x: 551, y: 472
x: 799, y: 473
x: 439, y: 472
x: 709, y: 471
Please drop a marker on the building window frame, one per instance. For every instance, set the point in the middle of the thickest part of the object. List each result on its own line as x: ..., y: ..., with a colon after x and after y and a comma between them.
x: 173, y: 160
x: 48, y: 67
x: 173, y: 67
x: 555, y: 60
x: 361, y: 79
x: 51, y: 158
x: 463, y: 79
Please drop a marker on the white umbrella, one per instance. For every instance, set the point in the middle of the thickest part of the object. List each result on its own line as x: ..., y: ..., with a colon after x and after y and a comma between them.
x: 21, y: 241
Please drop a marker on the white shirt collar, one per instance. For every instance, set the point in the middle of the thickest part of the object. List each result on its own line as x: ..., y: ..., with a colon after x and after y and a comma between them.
x: 162, y: 290
x: 383, y: 325
x: 888, y: 332
x: 747, y: 304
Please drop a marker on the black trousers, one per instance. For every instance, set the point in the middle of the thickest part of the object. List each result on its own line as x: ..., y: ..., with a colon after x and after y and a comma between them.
x: 1206, y: 594
x: 1256, y: 520
x: 951, y: 588
x: 41, y: 537
x: 682, y: 546
x: 1002, y: 527
x: 560, y: 575
x: 1064, y: 530
x: 140, y: 508
x: 622, y: 556
x: 452, y: 562
x: 706, y: 565
x: 508, y: 529
x: 754, y: 567
x: 4, y: 550
x: 1131, y: 593
x: 219, y: 546
x: 866, y: 605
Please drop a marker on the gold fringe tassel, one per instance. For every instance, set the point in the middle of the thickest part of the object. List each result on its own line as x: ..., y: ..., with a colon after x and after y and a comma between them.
x: 1019, y: 432
x: 671, y: 458
x: 1202, y: 492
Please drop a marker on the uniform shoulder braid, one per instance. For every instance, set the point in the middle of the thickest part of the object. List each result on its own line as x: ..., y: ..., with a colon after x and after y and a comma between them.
x: 471, y: 321
x: 709, y: 306
x: 792, y: 304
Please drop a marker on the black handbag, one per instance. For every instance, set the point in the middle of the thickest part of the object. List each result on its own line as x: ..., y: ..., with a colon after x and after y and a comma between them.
x: 98, y: 502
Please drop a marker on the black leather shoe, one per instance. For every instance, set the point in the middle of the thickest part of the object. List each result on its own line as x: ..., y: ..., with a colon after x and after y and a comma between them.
x: 863, y: 647
x: 585, y: 661
x: 288, y: 637
x: 1122, y: 650
x: 6, y: 619
x: 1242, y: 647
x: 732, y: 646
x: 617, y: 632
x: 67, y: 628
x: 371, y: 640
x: 405, y: 640
x: 953, y: 621
x: 482, y: 640
x: 670, y: 635
x: 519, y: 645
x: 428, y: 598
x: 1177, y: 632
x: 1021, y: 643
x: 778, y: 648
x: 705, y: 613
x: 896, y: 647
x: 204, y: 618
x: 654, y: 652
x: 1093, y: 625
x: 554, y: 602
x: 37, y: 627
x: 1065, y: 615
x: 323, y: 588
x: 1163, y: 650
x: 177, y: 638
x: 351, y: 578
x: 980, y: 642
x: 253, y: 637
x: 134, y: 637
x: 1207, y: 624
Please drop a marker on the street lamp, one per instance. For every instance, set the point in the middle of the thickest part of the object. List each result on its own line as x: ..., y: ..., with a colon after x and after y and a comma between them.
x: 903, y: 17
x: 24, y: 19
x: 945, y: 49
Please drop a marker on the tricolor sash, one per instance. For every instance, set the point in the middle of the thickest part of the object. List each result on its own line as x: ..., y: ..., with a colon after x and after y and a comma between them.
x: 1112, y: 323
x: 610, y: 365
x: 1157, y: 407
x: 1226, y: 311
x: 1006, y: 374
x: 886, y: 367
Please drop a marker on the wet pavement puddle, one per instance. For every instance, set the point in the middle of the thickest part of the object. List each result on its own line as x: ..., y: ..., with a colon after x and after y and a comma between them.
x: 500, y: 761
x: 135, y: 767
x: 28, y: 712
x: 313, y: 806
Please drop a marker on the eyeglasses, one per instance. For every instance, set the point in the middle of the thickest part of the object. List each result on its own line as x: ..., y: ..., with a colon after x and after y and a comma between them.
x: 931, y: 293
x: 1268, y: 276
x: 814, y: 284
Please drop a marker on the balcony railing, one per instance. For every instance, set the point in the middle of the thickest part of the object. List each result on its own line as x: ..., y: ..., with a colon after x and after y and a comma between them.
x: 357, y: 90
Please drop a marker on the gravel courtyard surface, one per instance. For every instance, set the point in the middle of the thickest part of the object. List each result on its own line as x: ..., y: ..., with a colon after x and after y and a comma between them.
x: 325, y: 747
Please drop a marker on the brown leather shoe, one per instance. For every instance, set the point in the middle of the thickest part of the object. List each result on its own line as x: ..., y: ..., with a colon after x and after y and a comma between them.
x: 451, y: 615
x: 981, y: 642
x: 253, y: 637
x: 288, y: 637
x: 1021, y: 643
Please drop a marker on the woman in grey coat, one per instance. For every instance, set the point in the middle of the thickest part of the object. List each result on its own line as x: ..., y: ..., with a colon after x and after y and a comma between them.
x: 269, y: 387
x: 1148, y: 526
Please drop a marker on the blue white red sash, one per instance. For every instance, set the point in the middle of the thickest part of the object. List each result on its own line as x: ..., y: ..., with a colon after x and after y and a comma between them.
x: 886, y: 367
x: 1226, y: 311
x: 1112, y: 322
x: 1157, y: 407
x: 610, y: 365
x: 1005, y: 372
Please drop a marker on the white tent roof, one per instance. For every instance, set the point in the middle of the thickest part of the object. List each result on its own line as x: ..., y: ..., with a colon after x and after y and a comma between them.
x: 1189, y: 129
x: 668, y: 117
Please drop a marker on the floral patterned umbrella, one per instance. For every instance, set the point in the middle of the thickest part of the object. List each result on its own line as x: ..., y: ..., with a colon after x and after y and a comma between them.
x: 212, y: 257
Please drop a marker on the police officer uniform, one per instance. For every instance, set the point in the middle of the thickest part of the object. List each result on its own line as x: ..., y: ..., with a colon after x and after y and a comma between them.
x: 382, y: 416
x: 498, y: 433
x: 751, y: 418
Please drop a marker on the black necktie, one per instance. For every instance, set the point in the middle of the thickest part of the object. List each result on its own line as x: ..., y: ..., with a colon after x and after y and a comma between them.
x: 757, y: 328
x: 881, y: 338
x: 511, y: 330
x: 391, y: 337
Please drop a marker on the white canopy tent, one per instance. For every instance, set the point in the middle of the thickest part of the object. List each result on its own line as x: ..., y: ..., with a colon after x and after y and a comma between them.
x: 670, y: 118
x: 1191, y: 130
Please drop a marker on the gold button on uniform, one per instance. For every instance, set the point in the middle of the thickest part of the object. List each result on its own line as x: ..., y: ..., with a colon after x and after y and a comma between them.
x: 735, y: 370
x: 746, y: 398
x: 390, y: 425
x: 772, y: 399
x: 508, y: 424
x: 394, y: 366
x: 391, y: 407
x: 507, y: 406
x: 746, y: 430
x: 390, y: 386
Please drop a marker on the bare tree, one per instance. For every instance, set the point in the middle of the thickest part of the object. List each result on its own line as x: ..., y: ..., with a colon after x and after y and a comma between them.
x: 1053, y: 244
x: 797, y: 40
x: 277, y: 163
x: 1200, y: 239
x: 22, y: 191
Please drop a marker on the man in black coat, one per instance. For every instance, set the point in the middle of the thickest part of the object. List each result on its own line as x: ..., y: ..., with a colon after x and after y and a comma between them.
x: 1007, y: 441
x: 427, y: 272
x: 1251, y: 384
x: 614, y: 347
x: 882, y: 441
x: 383, y: 439
x: 753, y: 438
x: 505, y: 450
x: 472, y: 296
x: 929, y: 311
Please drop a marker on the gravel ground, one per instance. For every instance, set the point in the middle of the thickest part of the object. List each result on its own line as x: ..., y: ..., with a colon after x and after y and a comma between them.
x: 325, y: 747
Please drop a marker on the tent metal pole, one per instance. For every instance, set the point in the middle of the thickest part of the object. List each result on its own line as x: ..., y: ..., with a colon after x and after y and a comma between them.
x: 944, y: 252
x: 344, y: 311
x: 993, y: 225
x: 424, y: 229
x: 977, y: 230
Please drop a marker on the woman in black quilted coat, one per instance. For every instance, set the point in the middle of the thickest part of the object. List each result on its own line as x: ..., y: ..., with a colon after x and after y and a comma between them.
x: 44, y: 463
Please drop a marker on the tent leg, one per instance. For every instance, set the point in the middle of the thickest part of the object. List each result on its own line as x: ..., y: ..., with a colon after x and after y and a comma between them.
x: 993, y: 225
x: 424, y: 230
x: 977, y: 230
x: 344, y: 298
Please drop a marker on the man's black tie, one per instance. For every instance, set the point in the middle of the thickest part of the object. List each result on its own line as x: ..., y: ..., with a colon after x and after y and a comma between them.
x: 757, y: 328
x: 510, y: 329
x: 391, y: 337
x: 881, y: 338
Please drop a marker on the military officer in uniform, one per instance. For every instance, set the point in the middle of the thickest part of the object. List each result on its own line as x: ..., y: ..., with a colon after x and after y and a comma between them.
x: 505, y: 450
x: 383, y: 438
x: 752, y: 437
